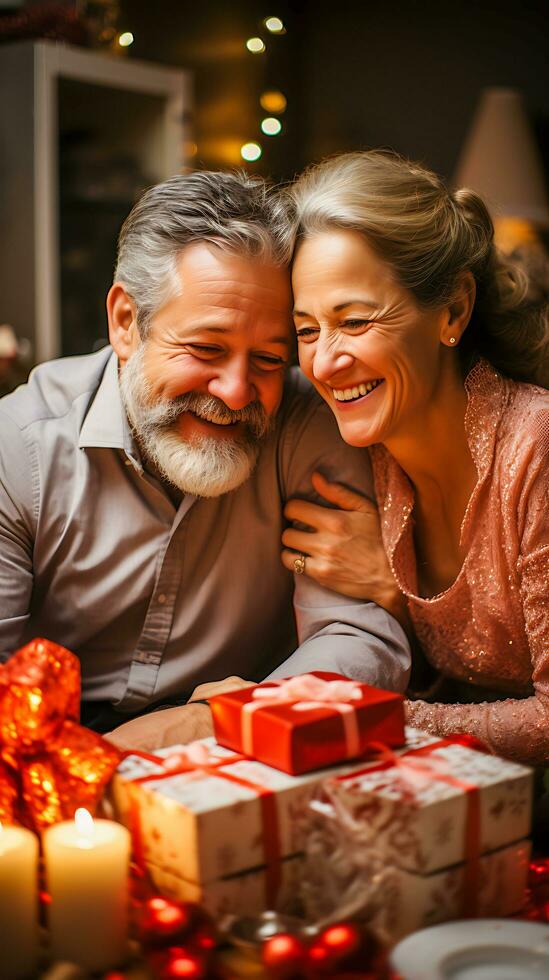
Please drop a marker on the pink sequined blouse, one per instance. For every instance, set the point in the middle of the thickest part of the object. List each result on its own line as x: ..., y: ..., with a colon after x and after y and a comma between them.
x: 491, y: 626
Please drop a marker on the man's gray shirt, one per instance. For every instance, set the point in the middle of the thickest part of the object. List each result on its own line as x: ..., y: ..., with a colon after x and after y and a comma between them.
x: 156, y: 598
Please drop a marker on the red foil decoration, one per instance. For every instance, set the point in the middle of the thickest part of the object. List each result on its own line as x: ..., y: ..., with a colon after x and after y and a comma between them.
x: 49, y: 764
x: 301, y: 741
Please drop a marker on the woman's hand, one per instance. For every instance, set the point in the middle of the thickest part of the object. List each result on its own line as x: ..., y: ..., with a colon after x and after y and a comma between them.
x: 344, y: 548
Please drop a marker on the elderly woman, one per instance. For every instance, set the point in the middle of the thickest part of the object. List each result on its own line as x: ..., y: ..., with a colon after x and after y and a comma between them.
x: 424, y: 344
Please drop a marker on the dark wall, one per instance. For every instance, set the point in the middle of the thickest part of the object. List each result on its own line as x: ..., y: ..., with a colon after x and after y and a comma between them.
x: 400, y: 74
x: 408, y: 74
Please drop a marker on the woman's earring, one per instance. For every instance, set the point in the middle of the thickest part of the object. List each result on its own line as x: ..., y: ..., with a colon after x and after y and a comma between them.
x: 452, y: 340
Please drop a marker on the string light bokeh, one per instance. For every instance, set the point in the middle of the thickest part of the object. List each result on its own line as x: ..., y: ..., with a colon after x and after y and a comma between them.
x: 272, y: 100
x: 241, y: 63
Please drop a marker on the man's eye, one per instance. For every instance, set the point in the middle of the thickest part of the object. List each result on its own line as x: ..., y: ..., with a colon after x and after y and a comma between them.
x: 204, y: 350
x: 270, y: 361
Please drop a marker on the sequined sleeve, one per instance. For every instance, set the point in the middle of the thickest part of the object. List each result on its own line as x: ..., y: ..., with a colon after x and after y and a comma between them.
x: 517, y: 729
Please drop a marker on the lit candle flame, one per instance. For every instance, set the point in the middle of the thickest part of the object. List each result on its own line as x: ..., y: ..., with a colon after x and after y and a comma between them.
x: 85, y: 826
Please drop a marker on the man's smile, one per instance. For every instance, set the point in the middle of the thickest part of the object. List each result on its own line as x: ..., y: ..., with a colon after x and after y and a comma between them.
x: 190, y: 422
x: 217, y: 420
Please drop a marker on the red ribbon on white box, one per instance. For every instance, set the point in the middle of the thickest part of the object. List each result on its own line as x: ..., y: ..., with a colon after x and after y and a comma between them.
x: 416, y: 768
x: 306, y: 693
x: 194, y: 761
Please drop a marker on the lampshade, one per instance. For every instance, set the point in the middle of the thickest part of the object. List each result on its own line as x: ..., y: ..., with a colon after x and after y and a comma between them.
x: 500, y: 159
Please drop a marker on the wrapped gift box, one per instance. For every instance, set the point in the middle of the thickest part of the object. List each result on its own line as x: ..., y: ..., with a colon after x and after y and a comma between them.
x: 440, y: 827
x: 416, y: 901
x: 217, y: 823
x: 297, y: 735
x: 417, y: 813
x: 242, y: 894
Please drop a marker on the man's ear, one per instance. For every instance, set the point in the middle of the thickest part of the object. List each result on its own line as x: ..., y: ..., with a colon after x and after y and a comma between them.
x: 122, y: 316
x: 459, y: 311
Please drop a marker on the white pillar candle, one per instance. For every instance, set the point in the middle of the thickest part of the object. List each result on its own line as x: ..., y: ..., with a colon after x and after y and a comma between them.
x: 18, y: 902
x: 87, y: 876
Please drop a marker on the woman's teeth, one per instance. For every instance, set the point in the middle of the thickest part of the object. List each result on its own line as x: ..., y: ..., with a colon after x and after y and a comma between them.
x: 349, y: 394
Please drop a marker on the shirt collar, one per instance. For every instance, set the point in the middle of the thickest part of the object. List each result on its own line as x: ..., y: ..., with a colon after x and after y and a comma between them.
x: 106, y: 424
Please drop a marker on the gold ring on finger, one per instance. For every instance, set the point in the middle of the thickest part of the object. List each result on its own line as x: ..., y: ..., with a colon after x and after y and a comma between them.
x: 299, y: 564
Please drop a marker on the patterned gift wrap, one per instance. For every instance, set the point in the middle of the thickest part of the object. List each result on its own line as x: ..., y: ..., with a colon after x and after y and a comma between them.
x: 415, y: 901
x: 432, y: 833
x: 416, y: 810
x: 242, y: 894
x: 213, y: 824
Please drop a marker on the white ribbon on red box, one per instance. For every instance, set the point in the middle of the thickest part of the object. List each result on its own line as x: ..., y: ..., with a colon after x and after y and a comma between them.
x: 306, y: 693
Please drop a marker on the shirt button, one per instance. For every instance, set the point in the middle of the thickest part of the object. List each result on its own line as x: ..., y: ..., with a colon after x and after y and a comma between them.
x: 161, y: 599
x: 128, y: 462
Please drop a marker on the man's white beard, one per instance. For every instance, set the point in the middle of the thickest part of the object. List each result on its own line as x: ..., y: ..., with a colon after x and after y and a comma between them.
x: 203, y: 466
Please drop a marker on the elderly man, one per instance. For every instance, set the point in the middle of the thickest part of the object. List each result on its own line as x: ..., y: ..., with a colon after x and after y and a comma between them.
x: 142, y: 487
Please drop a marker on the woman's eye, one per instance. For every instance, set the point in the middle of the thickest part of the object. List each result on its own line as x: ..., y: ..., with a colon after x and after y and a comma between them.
x: 356, y: 324
x: 306, y: 333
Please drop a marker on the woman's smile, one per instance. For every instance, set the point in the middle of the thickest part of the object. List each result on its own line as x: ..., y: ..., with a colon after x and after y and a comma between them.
x: 345, y: 397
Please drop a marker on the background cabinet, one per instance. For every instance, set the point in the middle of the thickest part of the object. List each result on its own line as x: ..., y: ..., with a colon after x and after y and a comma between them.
x: 81, y: 135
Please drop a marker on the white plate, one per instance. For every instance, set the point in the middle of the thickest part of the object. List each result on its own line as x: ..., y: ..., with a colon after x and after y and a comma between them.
x: 475, y: 949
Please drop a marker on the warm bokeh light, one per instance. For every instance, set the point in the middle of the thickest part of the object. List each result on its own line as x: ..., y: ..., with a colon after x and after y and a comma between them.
x: 274, y: 25
x: 273, y: 101
x: 271, y: 126
x: 255, y: 45
x: 250, y: 151
x: 126, y: 39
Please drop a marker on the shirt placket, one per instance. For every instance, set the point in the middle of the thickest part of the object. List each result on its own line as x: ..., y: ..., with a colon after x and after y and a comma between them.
x: 156, y: 632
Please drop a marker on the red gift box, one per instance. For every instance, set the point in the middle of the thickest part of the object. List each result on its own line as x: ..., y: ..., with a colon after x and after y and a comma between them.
x: 308, y: 722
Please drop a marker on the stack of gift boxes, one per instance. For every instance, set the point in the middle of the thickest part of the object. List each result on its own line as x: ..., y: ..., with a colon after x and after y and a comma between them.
x: 227, y: 822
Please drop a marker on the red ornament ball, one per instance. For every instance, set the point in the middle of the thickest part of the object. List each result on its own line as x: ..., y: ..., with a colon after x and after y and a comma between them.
x: 320, y: 958
x: 166, y: 922
x: 283, y: 955
x: 162, y: 920
x: 177, y: 963
x: 344, y: 946
x: 342, y: 939
x: 538, y: 873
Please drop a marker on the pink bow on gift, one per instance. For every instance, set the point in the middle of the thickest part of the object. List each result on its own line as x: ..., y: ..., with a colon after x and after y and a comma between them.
x: 193, y: 761
x: 306, y: 688
x: 306, y: 693
x: 193, y: 755
x: 416, y: 773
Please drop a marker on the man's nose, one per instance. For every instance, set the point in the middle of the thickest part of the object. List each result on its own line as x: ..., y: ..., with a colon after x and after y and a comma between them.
x: 329, y: 360
x: 234, y: 386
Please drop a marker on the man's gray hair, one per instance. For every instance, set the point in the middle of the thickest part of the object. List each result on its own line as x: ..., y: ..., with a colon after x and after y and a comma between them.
x: 236, y: 212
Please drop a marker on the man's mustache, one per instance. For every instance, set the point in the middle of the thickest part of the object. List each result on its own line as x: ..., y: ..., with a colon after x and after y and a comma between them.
x: 208, y: 407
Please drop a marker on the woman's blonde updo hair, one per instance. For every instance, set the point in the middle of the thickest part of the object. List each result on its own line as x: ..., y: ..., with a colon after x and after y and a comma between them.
x: 430, y: 237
